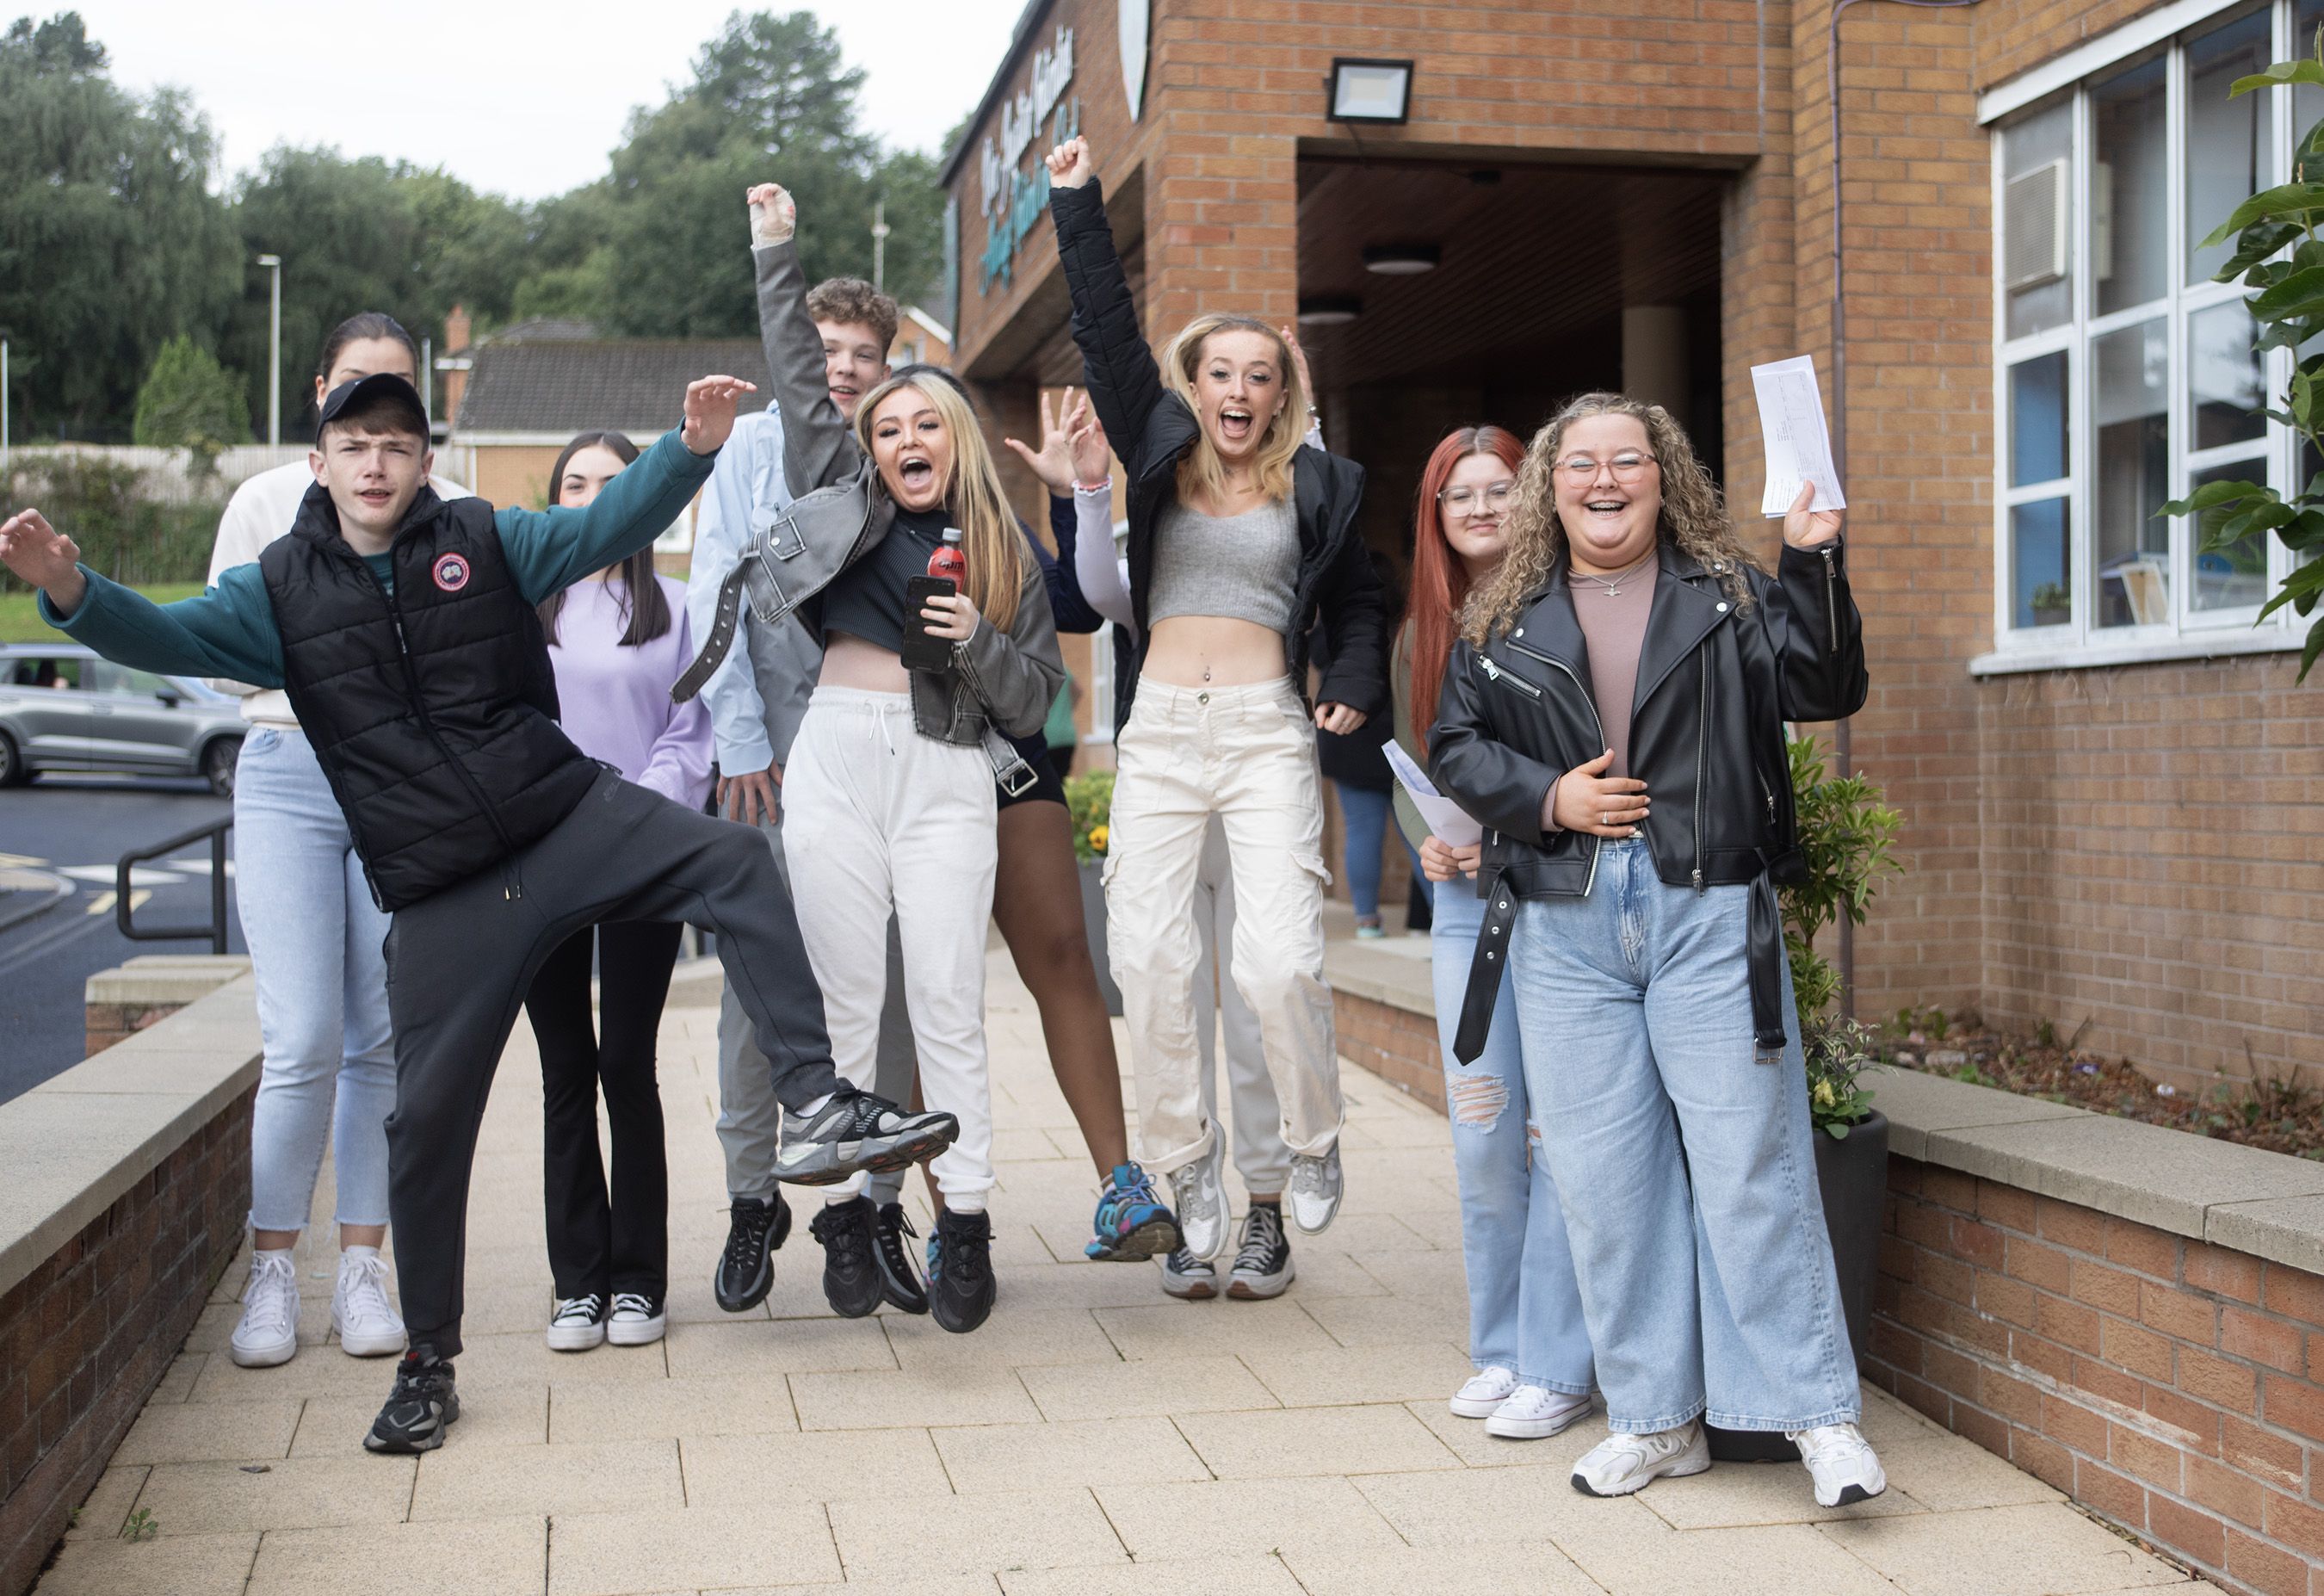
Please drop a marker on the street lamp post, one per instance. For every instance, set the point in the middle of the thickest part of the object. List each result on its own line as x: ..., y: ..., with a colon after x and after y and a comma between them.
x: 274, y: 264
x: 880, y: 244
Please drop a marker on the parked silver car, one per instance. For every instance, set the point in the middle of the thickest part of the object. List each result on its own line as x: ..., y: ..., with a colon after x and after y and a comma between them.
x: 63, y: 708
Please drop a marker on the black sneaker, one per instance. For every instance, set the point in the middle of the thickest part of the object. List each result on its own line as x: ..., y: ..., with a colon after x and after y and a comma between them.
x: 899, y: 1273
x: 960, y: 1271
x: 850, y: 1265
x: 857, y: 1131
x: 756, y: 1230
x: 1186, y: 1276
x: 420, y: 1409
x: 1262, y: 1265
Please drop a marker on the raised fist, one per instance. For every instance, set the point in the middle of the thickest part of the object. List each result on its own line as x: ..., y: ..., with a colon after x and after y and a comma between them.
x: 774, y: 213
x: 1070, y: 164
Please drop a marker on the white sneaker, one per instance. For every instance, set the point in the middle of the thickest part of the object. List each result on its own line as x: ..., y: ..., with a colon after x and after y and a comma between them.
x: 1486, y: 1390
x: 578, y: 1323
x: 639, y: 1320
x: 365, y: 1321
x: 1200, y: 1189
x: 1535, y: 1413
x: 1316, y: 1187
x: 269, y: 1331
x: 1622, y: 1463
x: 1842, y: 1462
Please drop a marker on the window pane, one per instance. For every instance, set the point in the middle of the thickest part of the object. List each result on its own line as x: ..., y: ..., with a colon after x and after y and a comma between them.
x: 2039, y: 567
x: 2037, y: 420
x: 2223, y: 377
x: 2224, y: 154
x: 2037, y: 229
x: 2234, y: 578
x: 2130, y: 251
x: 2130, y: 395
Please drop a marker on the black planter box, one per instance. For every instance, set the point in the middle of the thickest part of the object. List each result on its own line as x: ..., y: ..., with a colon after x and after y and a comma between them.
x: 1853, y: 1175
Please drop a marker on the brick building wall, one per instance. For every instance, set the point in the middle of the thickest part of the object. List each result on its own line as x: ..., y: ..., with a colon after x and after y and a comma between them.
x: 2174, y: 1386
x: 2133, y: 845
x: 85, y: 1336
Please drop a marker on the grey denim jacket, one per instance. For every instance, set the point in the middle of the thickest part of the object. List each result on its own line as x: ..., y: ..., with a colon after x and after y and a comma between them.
x: 997, y: 684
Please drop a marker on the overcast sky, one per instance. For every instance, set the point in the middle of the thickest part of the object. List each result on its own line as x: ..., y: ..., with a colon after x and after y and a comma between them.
x: 523, y: 97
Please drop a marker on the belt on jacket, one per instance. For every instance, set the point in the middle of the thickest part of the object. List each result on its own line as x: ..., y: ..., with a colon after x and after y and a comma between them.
x: 1010, y: 769
x: 1764, y: 943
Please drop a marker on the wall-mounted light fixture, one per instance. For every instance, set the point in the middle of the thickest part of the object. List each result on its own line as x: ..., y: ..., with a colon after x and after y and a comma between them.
x: 1367, y: 89
x: 1328, y: 309
x: 1401, y: 260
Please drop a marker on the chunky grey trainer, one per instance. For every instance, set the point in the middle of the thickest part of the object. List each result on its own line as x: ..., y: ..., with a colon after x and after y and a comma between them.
x: 857, y: 1131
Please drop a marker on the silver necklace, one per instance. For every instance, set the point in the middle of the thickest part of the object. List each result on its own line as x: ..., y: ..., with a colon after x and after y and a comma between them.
x: 1612, y: 584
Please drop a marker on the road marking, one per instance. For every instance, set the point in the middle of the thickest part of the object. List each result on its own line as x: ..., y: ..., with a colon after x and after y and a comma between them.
x: 19, y: 862
x: 102, y: 902
x: 107, y: 875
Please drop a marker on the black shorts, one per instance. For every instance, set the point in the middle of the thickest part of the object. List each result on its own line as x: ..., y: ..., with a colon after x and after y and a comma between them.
x: 1049, y: 787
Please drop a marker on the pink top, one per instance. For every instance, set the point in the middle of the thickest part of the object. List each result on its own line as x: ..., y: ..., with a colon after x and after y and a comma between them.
x: 1614, y: 625
x: 615, y: 699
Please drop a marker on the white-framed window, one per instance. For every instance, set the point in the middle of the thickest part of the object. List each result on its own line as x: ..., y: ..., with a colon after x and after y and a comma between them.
x: 2124, y: 376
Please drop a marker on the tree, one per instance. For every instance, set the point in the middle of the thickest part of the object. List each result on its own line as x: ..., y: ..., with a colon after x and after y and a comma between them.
x: 191, y: 402
x: 110, y: 238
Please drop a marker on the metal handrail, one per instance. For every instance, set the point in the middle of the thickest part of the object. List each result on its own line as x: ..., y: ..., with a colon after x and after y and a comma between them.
x: 216, y: 930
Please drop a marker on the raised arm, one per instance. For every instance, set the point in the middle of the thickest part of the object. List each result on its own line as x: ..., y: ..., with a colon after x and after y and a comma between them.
x: 738, y: 721
x: 1117, y: 362
x: 1811, y: 620
x: 548, y: 550
x: 1097, y: 567
x: 228, y: 630
x: 818, y: 447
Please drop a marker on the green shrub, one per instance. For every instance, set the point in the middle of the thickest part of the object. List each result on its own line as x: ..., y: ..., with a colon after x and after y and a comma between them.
x: 98, y: 503
x: 191, y: 402
x: 1847, y: 837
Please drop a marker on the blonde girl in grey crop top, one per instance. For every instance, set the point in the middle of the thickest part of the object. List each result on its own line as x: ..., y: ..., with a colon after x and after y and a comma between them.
x: 1243, y: 567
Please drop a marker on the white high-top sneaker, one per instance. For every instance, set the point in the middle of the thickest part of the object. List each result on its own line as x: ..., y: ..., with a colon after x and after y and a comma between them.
x: 365, y: 1321
x: 1622, y: 1463
x: 269, y: 1331
x: 1535, y: 1413
x: 1200, y: 1190
x: 1842, y: 1462
x: 1483, y: 1391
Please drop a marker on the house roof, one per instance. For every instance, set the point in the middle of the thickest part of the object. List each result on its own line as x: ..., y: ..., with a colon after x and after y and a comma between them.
x: 564, y: 328
x: 564, y: 385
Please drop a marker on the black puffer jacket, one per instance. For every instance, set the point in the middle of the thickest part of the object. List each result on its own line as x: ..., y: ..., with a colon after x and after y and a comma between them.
x: 1715, y: 687
x: 1150, y: 428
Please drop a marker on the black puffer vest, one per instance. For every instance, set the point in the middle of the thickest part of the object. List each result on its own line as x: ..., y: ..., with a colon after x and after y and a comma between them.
x: 432, y: 710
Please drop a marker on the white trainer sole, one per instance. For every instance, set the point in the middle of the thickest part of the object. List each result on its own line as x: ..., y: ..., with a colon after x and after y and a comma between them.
x: 637, y: 1333
x: 1854, y: 1491
x: 378, y: 1345
x: 265, y: 1356
x: 1536, y: 1429
x: 581, y: 1338
x: 1244, y: 1288
x: 1694, y: 1460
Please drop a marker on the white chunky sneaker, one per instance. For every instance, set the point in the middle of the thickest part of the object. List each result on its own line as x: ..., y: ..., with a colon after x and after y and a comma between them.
x: 1535, y: 1413
x: 1201, y: 1190
x: 578, y: 1323
x: 639, y: 1320
x: 269, y: 1331
x: 365, y: 1321
x: 1486, y: 1390
x: 1316, y: 1187
x: 1621, y: 1464
x: 1842, y: 1462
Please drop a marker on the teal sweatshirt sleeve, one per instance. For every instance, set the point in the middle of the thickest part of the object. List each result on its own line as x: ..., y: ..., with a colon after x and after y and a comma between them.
x: 548, y: 550
x: 228, y: 630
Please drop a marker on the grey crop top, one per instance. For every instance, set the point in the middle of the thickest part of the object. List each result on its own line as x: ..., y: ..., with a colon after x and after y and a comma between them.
x: 1243, y: 566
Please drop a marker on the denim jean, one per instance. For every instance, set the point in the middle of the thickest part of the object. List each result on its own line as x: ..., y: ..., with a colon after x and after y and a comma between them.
x: 1525, y: 1309
x: 1672, y: 1148
x: 1363, y: 823
x: 316, y: 948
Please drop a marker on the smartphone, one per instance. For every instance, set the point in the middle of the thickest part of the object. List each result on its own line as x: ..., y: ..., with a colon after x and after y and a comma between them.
x: 922, y: 650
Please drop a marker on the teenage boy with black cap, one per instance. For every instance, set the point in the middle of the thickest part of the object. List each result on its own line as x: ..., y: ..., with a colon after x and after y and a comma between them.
x: 403, y: 626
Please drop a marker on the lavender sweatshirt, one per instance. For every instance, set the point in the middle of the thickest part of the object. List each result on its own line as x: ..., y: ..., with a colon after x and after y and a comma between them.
x: 616, y: 700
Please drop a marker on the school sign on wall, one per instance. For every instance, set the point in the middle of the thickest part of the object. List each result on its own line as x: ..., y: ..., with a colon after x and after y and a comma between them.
x: 1012, y: 197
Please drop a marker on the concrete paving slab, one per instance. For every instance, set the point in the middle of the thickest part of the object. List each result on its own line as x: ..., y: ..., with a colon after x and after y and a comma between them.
x: 1389, y: 1372
x: 245, y: 1431
x: 1193, y: 1329
x: 1230, y: 1576
x: 106, y: 1506
x: 815, y: 1466
x: 1533, y: 1569
x: 1197, y: 1523
x: 296, y: 1493
x: 768, y: 1349
x: 504, y: 1482
x: 1059, y: 1527
x: 1090, y: 1452
x: 1152, y: 1386
x: 2024, y: 1551
x: 1379, y: 1439
x: 179, y: 1565
x: 756, y: 1405
x: 911, y: 1398
x: 486, y: 1557
x: 1766, y: 1560
x: 618, y: 1553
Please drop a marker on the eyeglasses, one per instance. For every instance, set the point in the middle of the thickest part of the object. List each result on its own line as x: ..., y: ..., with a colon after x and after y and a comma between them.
x: 1627, y: 466
x: 1468, y: 500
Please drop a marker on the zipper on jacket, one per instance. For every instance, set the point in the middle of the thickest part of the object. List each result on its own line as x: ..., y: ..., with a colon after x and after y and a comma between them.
x: 511, y: 888
x: 1832, y: 597
x: 1596, y: 843
x: 1701, y: 760
x: 1767, y: 790
x: 1497, y: 673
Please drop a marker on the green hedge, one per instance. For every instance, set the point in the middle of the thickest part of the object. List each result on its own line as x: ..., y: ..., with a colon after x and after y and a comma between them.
x: 96, y: 502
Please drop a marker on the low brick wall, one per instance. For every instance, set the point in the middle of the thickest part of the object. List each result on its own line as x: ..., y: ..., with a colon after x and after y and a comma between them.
x: 1394, y: 1042
x: 119, y: 1003
x: 2168, y: 1383
x: 88, y: 1334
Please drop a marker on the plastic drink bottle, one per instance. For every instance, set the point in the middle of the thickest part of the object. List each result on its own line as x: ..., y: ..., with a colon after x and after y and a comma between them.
x: 948, y: 562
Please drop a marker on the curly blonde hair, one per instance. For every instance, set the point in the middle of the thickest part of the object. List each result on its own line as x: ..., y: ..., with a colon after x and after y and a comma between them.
x: 1693, y: 517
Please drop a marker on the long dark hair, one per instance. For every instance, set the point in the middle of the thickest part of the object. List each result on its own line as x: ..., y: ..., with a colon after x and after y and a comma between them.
x: 366, y: 324
x: 642, y: 597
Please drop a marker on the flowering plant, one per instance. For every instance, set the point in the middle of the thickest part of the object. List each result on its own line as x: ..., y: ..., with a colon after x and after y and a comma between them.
x: 1089, y: 798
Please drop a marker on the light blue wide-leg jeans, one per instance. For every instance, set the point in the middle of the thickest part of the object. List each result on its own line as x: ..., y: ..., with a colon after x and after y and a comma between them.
x: 1685, y: 1169
x: 1525, y: 1308
x: 317, y: 948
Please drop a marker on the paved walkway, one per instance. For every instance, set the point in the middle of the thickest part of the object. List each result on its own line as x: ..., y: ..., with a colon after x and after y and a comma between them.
x: 1093, y: 1438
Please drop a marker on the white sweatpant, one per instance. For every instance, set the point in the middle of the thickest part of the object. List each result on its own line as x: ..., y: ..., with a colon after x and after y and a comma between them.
x: 1248, y: 755
x: 877, y: 819
x: 1259, y: 1156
